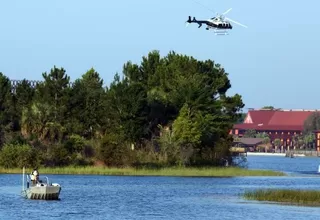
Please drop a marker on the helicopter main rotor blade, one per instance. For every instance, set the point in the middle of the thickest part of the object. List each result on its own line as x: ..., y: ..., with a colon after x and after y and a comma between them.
x: 226, y: 12
x: 205, y: 7
x: 236, y: 22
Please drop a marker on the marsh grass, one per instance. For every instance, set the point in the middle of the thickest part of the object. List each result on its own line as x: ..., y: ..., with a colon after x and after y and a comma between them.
x: 196, y: 172
x: 286, y: 196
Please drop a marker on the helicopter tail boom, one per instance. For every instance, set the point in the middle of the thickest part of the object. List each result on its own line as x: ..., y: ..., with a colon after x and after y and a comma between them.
x: 194, y: 20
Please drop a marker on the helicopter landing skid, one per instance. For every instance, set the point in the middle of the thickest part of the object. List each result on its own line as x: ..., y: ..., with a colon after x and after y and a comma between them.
x: 220, y: 32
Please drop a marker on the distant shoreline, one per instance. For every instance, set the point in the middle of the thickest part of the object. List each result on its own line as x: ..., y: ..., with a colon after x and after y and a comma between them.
x: 272, y: 154
x: 265, y: 154
x: 177, y: 172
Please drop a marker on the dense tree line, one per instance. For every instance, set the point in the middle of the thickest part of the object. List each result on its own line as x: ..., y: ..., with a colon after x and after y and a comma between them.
x: 165, y: 111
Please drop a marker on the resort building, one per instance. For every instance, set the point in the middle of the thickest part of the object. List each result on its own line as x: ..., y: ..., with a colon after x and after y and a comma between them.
x: 278, y: 124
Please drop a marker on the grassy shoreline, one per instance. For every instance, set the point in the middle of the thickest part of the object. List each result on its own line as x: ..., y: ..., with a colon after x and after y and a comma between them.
x: 191, y: 172
x: 286, y: 196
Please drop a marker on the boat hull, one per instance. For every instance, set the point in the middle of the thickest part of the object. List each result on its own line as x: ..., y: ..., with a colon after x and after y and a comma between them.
x: 42, y: 192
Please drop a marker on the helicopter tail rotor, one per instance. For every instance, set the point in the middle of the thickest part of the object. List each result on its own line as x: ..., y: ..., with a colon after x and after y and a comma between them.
x: 193, y: 19
x: 190, y: 21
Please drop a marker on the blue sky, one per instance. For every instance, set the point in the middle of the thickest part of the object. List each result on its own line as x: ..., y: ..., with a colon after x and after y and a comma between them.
x: 273, y: 62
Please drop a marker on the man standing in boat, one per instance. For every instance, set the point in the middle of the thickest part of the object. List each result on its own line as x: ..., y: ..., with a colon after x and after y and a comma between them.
x: 34, y: 176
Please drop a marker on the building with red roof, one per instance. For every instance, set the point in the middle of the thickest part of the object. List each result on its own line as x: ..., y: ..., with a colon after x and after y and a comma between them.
x: 281, y: 124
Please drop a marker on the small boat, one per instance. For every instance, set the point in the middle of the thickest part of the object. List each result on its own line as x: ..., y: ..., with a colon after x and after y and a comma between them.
x: 40, y: 190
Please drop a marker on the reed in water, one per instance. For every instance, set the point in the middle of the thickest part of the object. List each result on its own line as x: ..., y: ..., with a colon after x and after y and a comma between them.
x: 286, y: 196
x: 178, y: 171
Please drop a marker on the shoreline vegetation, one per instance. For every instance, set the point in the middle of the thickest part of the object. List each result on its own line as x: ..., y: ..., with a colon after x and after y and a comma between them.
x: 286, y: 196
x: 175, y: 171
x: 168, y: 111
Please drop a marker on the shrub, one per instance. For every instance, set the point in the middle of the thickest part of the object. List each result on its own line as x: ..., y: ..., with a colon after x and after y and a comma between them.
x: 58, y: 155
x: 12, y: 156
x: 114, y: 152
x: 75, y: 144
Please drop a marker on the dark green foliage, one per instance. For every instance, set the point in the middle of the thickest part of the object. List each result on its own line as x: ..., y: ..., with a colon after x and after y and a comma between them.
x: 268, y: 107
x: 250, y: 134
x: 242, y: 118
x: 165, y: 111
x: 75, y: 144
x: 57, y: 155
x: 86, y: 107
x: 5, y: 100
x: 16, y: 138
x: 114, y: 151
x: 22, y: 97
x: 12, y: 156
x: 24, y: 94
x: 54, y: 92
x: 312, y: 123
x: 7, y: 110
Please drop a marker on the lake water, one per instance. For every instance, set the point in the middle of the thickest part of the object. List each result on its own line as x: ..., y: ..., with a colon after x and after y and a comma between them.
x: 121, y: 197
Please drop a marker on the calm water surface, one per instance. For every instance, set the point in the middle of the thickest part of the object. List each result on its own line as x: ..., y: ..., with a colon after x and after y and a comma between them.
x: 104, y: 197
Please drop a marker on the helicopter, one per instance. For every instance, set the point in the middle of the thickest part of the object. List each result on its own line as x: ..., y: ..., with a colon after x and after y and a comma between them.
x: 220, y: 24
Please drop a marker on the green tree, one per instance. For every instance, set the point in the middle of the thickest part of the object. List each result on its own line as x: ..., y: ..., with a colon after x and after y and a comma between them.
x: 242, y: 118
x: 50, y: 105
x: 115, y: 152
x: 250, y: 133
x: 7, y: 113
x: 277, y: 143
x: 186, y: 128
x: 12, y: 156
x: 298, y: 141
x: 150, y: 77
x: 309, y: 140
x: 269, y: 107
x: 265, y: 137
x: 23, y: 98
x: 206, y: 113
x: 38, y: 119
x: 312, y: 123
x: 24, y: 94
x: 262, y: 135
x: 167, y: 110
x: 86, y: 110
x: 175, y: 90
x: 128, y: 109
x: 55, y: 91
